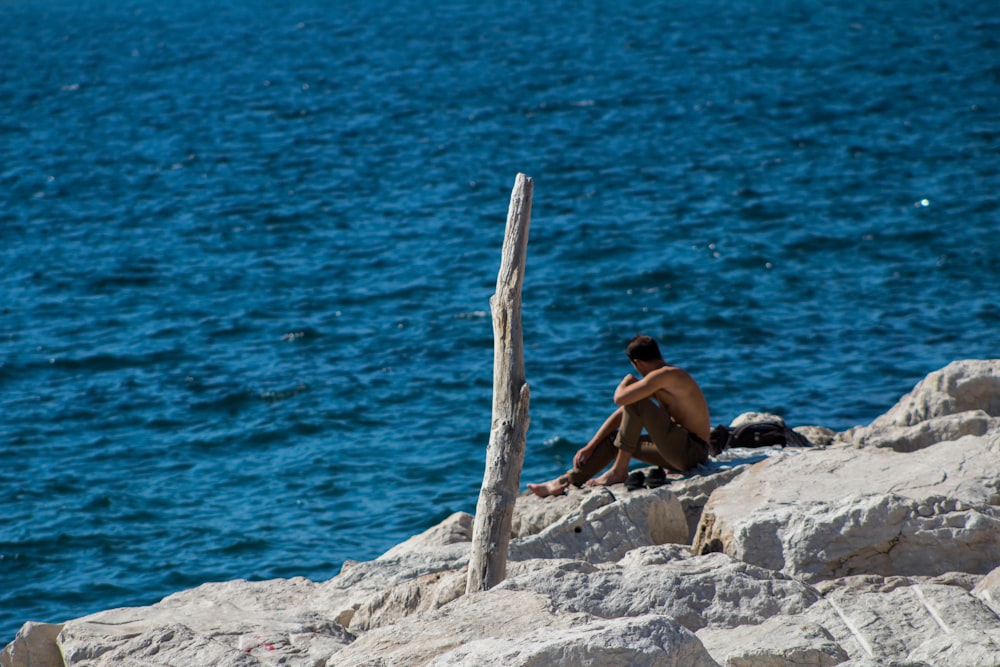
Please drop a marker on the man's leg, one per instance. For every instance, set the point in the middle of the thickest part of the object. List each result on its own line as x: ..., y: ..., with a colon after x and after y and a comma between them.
x: 678, y: 449
x: 618, y: 472
x: 647, y: 452
x: 598, y: 461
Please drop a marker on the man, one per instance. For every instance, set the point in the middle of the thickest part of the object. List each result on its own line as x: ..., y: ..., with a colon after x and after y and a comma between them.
x: 666, y: 402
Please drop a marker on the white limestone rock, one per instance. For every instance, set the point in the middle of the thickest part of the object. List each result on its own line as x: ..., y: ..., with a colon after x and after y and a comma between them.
x: 269, y: 622
x: 456, y: 529
x: 963, y: 398
x: 359, y: 582
x: 777, y: 642
x: 961, y: 648
x: 961, y: 386
x: 172, y: 644
x: 431, y: 592
x: 608, y: 529
x: 693, y: 492
x: 418, y: 595
x: 755, y: 417
x: 598, y: 527
x: 532, y: 514
x: 505, y: 627
x: 413, y: 576
x: 642, y: 641
x: 839, y: 511
x: 988, y: 590
x: 654, y: 555
x: 907, y: 620
x: 927, y: 433
x: 712, y: 590
x: 601, y: 531
x: 819, y: 436
x: 869, y: 620
x: 34, y: 646
x: 417, y: 640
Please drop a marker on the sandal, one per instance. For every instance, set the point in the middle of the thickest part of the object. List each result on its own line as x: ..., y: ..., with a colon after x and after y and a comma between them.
x: 656, y: 479
x: 636, y: 480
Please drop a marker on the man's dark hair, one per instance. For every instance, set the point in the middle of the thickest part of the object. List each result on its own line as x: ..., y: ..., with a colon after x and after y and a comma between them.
x: 643, y: 348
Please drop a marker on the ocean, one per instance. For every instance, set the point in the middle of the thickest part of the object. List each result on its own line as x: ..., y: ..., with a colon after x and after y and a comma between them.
x: 248, y: 247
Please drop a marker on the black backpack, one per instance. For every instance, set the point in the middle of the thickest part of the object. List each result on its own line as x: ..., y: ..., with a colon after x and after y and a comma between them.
x: 753, y: 434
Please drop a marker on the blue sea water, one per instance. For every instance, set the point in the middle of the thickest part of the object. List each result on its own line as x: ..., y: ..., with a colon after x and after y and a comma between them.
x: 247, y: 250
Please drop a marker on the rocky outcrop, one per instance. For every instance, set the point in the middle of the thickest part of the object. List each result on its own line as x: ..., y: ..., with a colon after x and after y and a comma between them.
x: 857, y: 508
x: 843, y: 511
x: 963, y: 398
x: 604, y: 525
x: 232, y: 623
x: 506, y: 627
x: 876, y: 546
x: 35, y: 646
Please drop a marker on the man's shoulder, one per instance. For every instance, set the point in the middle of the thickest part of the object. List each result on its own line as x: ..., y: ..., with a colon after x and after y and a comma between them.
x: 670, y: 373
x: 673, y: 370
x: 677, y: 379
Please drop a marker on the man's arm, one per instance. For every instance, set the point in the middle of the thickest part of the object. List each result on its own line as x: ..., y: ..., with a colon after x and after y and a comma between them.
x: 632, y: 389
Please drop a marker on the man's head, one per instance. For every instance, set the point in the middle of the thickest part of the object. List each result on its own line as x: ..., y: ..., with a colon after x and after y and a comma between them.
x: 643, y: 348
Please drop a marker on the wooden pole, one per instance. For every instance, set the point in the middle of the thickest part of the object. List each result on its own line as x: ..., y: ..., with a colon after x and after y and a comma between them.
x: 505, y: 453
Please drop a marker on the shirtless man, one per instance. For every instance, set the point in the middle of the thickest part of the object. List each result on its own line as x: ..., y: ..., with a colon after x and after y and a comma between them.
x: 666, y: 402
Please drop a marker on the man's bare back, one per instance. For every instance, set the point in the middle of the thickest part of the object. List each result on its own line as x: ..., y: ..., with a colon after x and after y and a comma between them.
x: 685, y: 402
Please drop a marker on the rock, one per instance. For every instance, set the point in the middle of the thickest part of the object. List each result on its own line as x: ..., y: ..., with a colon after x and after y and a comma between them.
x: 427, y: 571
x: 232, y: 623
x: 606, y: 525
x: 434, y: 591
x: 418, y: 595
x: 642, y: 641
x: 819, y: 436
x: 960, y: 648
x: 532, y: 514
x: 34, y: 646
x: 779, y: 642
x: 161, y: 645
x: 504, y: 627
x: 827, y: 513
x: 755, y: 417
x: 963, y: 398
x: 413, y: 576
x: 694, y: 491
x: 456, y: 529
x: 988, y: 590
x: 712, y: 590
x: 417, y: 641
x: 961, y: 386
x: 911, y: 620
x: 924, y: 434
x: 358, y: 583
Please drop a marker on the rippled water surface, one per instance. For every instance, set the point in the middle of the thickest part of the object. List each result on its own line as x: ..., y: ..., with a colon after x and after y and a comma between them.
x: 248, y: 249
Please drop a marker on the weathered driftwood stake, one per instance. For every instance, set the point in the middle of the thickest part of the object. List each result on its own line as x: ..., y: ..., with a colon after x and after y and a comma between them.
x: 505, y: 453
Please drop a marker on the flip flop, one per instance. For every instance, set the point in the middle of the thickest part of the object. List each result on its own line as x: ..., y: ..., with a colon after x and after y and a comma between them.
x: 656, y: 479
x: 635, y: 480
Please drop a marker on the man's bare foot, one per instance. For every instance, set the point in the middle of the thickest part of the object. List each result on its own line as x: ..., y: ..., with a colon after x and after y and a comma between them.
x: 554, y: 487
x: 609, y: 478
